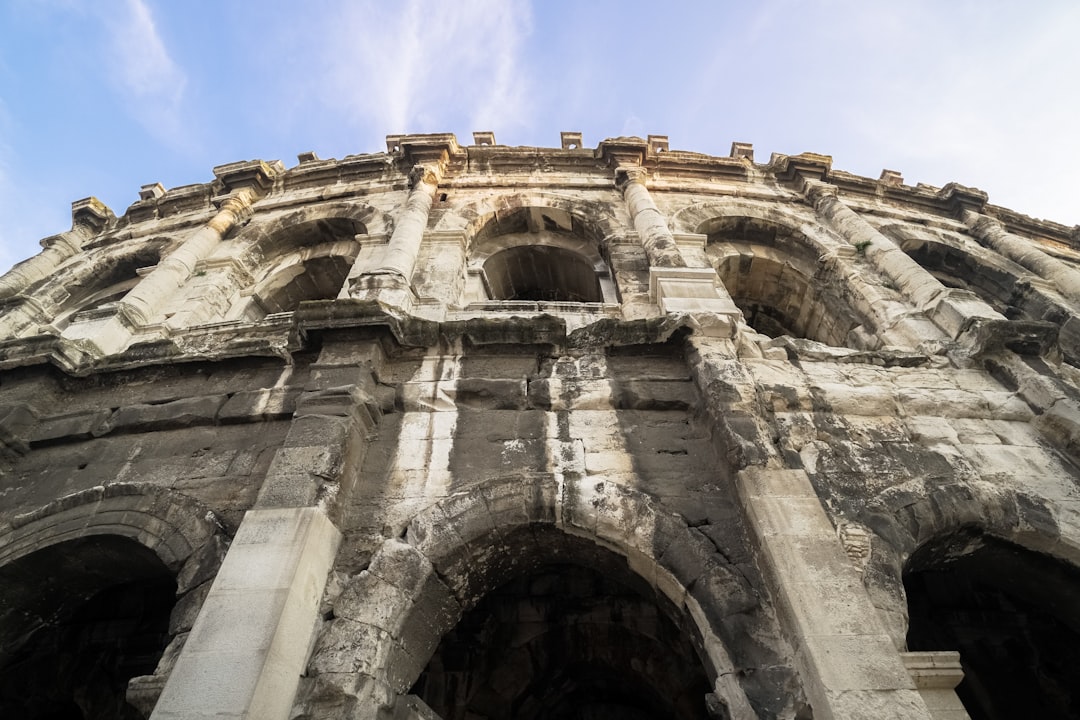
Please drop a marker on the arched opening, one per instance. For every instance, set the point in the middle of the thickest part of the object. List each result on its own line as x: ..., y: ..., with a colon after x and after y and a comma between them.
x: 108, y: 281
x: 570, y: 633
x: 541, y: 273
x: 318, y: 278
x: 1013, y: 615
x: 537, y: 254
x: 302, y: 262
x: 78, y: 620
x: 775, y: 280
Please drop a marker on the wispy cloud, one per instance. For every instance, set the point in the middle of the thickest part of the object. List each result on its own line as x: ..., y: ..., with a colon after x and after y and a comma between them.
x: 407, y: 67
x: 143, y: 72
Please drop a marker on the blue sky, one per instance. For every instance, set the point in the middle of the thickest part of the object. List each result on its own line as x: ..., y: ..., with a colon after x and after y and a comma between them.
x: 98, y: 98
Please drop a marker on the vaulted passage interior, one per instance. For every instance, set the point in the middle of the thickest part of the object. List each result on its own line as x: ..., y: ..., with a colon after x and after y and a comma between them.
x: 77, y: 621
x: 541, y: 273
x: 578, y: 637
x: 1014, y: 616
x: 775, y: 280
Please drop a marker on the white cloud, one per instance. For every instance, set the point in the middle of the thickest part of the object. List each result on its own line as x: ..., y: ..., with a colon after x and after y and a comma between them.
x: 142, y: 70
x: 406, y: 67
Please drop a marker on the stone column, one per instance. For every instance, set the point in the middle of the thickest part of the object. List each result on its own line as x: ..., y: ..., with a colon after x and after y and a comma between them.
x: 89, y: 216
x: 398, y: 261
x: 247, y: 649
x: 142, y: 304
x: 849, y: 666
x: 249, y: 645
x: 951, y: 309
x: 660, y: 246
x: 992, y: 234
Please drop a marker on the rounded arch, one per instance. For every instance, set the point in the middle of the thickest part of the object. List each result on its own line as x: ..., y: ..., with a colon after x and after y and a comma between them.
x: 88, y: 284
x: 301, y: 255
x: 1013, y: 615
x: 956, y: 265
x: 537, y: 252
x: 454, y: 554
x: 911, y: 515
x: 769, y: 260
x: 471, y: 219
x: 178, y: 529
x: 95, y: 589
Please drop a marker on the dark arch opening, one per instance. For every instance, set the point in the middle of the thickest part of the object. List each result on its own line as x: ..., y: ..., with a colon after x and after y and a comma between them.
x: 1014, y: 616
x: 574, y: 634
x: 775, y: 281
x: 319, y: 278
x: 541, y: 273
x: 78, y: 620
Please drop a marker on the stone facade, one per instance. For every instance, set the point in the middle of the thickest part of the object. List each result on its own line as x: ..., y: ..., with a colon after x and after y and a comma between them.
x: 512, y: 432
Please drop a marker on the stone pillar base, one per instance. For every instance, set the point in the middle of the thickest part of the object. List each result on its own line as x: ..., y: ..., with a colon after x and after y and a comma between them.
x: 249, y: 645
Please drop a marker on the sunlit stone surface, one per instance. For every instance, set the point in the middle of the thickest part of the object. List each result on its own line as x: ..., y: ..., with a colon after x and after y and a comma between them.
x: 487, y: 432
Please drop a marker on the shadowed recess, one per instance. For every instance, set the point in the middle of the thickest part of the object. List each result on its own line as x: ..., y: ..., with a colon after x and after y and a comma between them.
x: 566, y: 641
x: 77, y: 621
x: 1014, y: 616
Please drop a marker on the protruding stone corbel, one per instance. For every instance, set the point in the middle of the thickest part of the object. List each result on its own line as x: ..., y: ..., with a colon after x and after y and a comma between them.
x: 91, y: 214
x: 799, y: 168
x: 891, y: 178
x: 959, y: 199
x: 742, y: 151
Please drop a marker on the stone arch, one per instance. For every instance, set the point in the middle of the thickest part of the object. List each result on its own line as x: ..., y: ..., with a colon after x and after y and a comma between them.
x: 302, y: 255
x: 537, y: 247
x: 770, y: 261
x: 956, y: 264
x: 1011, y: 613
x: 127, y: 562
x: 84, y: 285
x: 391, y: 617
x: 908, y: 516
x: 1008, y: 288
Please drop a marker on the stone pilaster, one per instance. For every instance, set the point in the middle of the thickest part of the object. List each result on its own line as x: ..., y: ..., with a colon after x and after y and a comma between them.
x: 659, y: 243
x: 398, y: 261
x: 248, y: 646
x: 937, y: 674
x: 850, y: 668
x: 431, y: 157
x: 145, y: 300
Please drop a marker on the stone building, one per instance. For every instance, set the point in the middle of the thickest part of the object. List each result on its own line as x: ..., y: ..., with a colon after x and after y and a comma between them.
x: 508, y: 432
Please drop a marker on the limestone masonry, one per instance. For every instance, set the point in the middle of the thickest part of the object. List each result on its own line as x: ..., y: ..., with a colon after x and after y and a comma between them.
x: 486, y: 432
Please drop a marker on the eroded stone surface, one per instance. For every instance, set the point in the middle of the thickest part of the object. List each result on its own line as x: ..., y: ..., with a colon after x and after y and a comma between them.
x: 623, y: 432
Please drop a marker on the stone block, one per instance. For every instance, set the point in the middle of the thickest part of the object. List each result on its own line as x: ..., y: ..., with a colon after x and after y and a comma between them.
x: 181, y: 413
x: 70, y: 427
x: 264, y: 404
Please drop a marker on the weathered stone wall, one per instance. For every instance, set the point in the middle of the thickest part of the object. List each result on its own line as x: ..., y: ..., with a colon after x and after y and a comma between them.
x: 498, y: 432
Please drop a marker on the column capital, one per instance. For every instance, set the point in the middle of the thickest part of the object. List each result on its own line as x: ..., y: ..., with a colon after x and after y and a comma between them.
x: 800, y: 168
x: 425, y: 173
x: 439, y: 150
x: 959, y: 199
x: 817, y: 191
x: 626, y: 174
